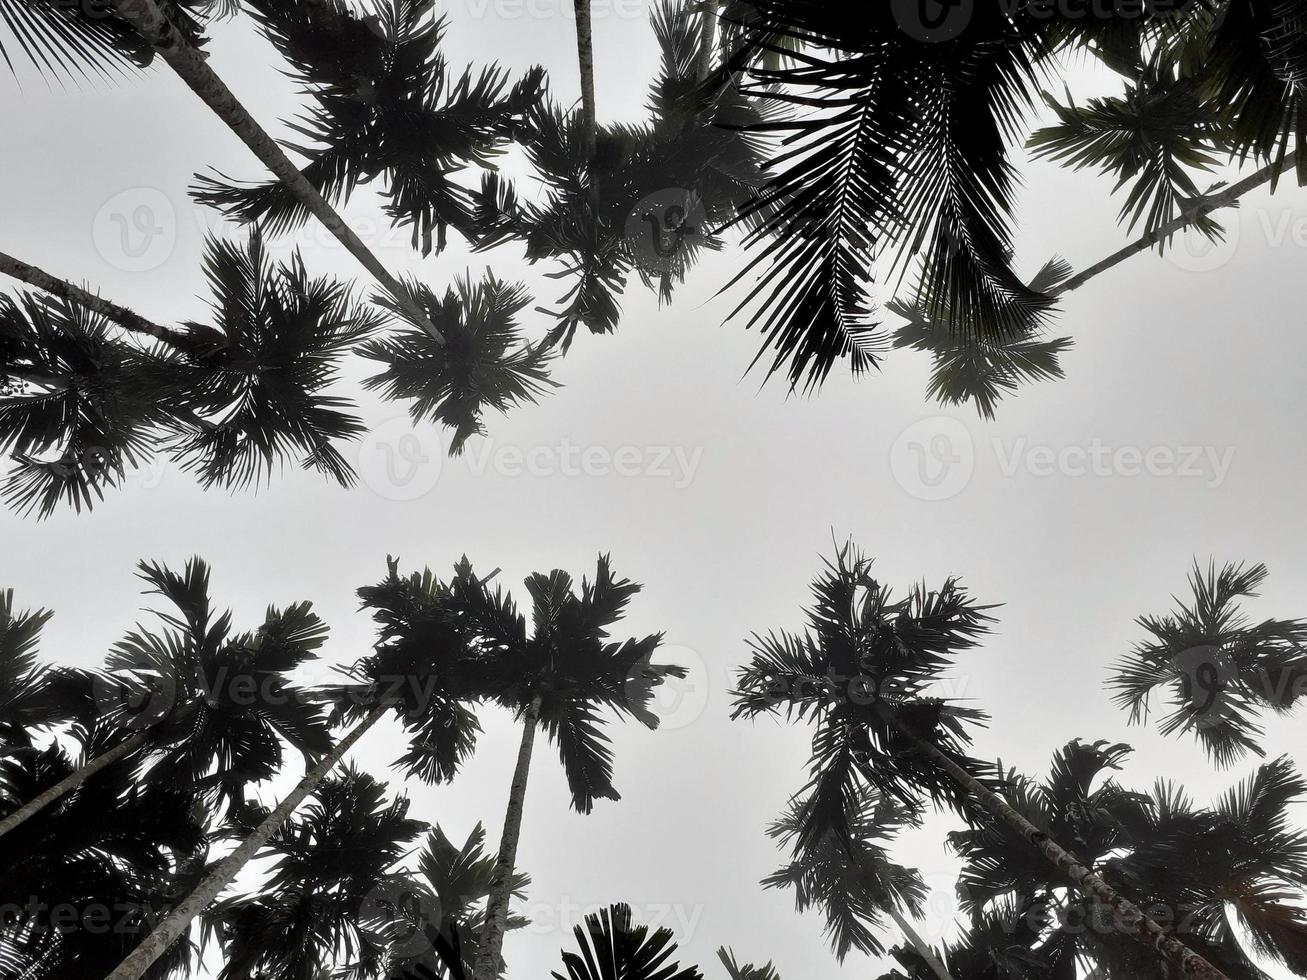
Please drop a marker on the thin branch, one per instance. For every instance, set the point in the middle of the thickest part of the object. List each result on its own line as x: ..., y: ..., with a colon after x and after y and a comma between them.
x: 194, y: 70
x: 120, y: 315
x: 1206, y: 205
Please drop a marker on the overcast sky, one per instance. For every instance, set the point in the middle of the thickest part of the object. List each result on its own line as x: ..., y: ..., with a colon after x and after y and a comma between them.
x: 1177, y: 433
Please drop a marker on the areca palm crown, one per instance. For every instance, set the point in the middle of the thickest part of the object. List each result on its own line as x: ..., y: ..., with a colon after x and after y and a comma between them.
x: 33, y: 695
x: 861, y: 674
x: 1217, y: 668
x: 1203, y: 868
x: 853, y: 881
x: 114, y: 855
x: 218, y: 704
x: 324, y: 901
x: 559, y: 676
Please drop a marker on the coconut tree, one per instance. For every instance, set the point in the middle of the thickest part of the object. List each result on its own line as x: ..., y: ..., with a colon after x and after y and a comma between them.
x: 853, y: 880
x: 613, y: 947
x: 558, y: 677
x: 1217, y: 668
x: 210, y: 707
x: 862, y: 673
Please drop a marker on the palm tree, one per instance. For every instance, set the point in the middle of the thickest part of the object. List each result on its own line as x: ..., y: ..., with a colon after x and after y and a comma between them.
x: 422, y: 668
x: 1217, y: 668
x: 33, y: 695
x: 1236, y: 860
x: 558, y: 678
x: 115, y: 851
x: 327, y: 888
x: 209, y: 707
x: 853, y: 880
x: 613, y: 947
x: 386, y: 105
x: 862, y: 673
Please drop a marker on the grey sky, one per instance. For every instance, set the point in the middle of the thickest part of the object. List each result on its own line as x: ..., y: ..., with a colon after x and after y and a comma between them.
x: 727, y: 535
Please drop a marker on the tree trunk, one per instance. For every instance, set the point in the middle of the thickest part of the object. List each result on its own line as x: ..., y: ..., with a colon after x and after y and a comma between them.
x: 178, y: 921
x: 1205, y: 206
x: 1189, y: 965
x: 194, y: 70
x: 120, y: 315
x: 920, y: 945
x: 501, y: 883
x: 585, y: 57
x: 707, y: 25
x: 71, y: 782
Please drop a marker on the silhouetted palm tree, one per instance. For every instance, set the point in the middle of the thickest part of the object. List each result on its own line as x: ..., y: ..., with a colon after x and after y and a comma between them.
x: 210, y: 707
x: 613, y: 947
x: 113, y: 855
x: 862, y: 673
x: 1204, y: 868
x: 559, y: 678
x: 330, y: 894
x: 1215, y: 666
x: 853, y: 880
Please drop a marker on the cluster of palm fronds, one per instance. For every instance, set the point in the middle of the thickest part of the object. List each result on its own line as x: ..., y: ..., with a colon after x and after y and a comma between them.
x: 846, y: 148
x: 1058, y: 874
x: 118, y: 787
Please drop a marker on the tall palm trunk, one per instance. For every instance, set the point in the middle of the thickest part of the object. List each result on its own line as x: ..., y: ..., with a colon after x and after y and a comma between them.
x: 71, y: 782
x: 151, y: 23
x: 585, y: 56
x: 707, y: 24
x: 178, y: 921
x: 1206, y: 206
x: 1188, y: 964
x: 501, y: 882
x: 920, y: 945
x: 120, y: 315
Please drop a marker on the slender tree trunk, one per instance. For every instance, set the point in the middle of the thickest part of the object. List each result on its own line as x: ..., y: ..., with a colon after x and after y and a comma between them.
x: 71, y: 782
x: 1206, y: 206
x: 585, y: 56
x: 120, y: 315
x: 501, y: 883
x: 1189, y: 965
x: 178, y: 921
x: 194, y: 70
x: 920, y: 945
x: 707, y: 26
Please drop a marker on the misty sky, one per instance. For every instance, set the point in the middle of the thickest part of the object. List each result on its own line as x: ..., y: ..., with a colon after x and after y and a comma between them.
x: 718, y: 493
